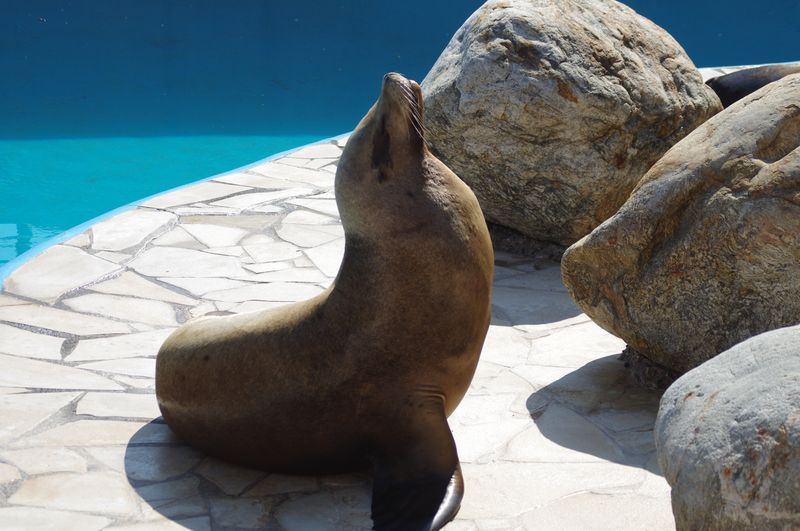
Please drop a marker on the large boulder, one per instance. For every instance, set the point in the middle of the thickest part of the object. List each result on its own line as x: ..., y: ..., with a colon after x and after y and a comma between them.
x: 552, y: 110
x: 706, y: 251
x: 728, y: 438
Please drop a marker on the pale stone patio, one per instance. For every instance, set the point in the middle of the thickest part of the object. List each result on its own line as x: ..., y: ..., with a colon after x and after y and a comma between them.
x: 552, y: 435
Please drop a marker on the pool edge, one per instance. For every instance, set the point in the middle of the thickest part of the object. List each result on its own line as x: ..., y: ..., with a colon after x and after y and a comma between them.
x: 15, y: 263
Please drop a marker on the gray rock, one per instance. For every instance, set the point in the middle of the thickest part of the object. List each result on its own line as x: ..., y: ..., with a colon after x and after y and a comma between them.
x: 728, y: 438
x: 706, y: 251
x: 552, y: 110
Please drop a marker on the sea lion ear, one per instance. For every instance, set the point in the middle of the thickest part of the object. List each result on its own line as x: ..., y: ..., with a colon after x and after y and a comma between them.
x: 381, y: 154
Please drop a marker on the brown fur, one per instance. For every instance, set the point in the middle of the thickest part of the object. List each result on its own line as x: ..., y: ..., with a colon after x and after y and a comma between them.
x: 326, y: 384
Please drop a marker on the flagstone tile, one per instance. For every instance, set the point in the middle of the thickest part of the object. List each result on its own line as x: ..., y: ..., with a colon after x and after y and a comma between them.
x: 347, y: 508
x: 295, y: 274
x: 21, y: 342
x: 591, y: 511
x: 94, y: 492
x: 203, y: 309
x: 244, y: 201
x: 562, y: 435
x: 148, y: 463
x: 178, y: 237
x: 282, y: 484
x: 8, y: 474
x: 240, y: 513
x: 133, y: 285
x: 177, y: 262
x: 56, y: 271
x: 128, y: 308
x: 128, y: 405
x: 81, y: 240
x: 60, y: 320
x: 309, y: 235
x: 258, y: 239
x: 266, y: 267
x: 88, y: 433
x: 327, y: 257
x: 200, y: 286
x: 574, y: 346
x: 505, y: 346
x: 12, y: 390
x: 230, y: 479
x: 171, y: 490
x: 202, y: 209
x: 37, y: 519
x: 22, y: 372
x: 320, y: 163
x: 137, y: 383
x: 316, y: 151
x: 256, y: 306
x: 6, y: 300
x: 204, y: 191
x: 142, y: 344
x: 289, y: 173
x: 226, y: 251
x: 275, y: 291
x: 111, y: 256
x: 129, y: 229
x: 215, y: 235
x: 497, y: 490
x: 272, y: 252
x: 307, y: 217
x: 547, y: 279
x: 293, y: 161
x: 527, y: 306
x: 35, y: 461
x: 192, y: 506
x: 324, y: 206
x: 255, y: 181
x: 163, y: 524
x: 22, y: 412
x: 126, y: 367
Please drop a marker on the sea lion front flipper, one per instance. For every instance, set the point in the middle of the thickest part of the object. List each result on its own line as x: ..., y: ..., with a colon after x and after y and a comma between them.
x: 418, y: 484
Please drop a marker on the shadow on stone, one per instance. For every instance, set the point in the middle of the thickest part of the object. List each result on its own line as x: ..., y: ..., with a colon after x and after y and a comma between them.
x: 181, y: 484
x: 523, y: 294
x: 599, y: 411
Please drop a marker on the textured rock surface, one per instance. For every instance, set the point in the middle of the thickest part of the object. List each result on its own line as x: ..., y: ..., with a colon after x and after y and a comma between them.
x: 728, y: 438
x: 706, y: 251
x: 553, y: 110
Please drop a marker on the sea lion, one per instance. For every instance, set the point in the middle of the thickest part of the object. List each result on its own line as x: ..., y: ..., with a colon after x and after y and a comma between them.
x: 734, y: 86
x: 368, y: 371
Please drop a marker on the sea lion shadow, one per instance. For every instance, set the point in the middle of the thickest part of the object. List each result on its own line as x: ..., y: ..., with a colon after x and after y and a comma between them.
x: 179, y: 483
x: 597, y: 410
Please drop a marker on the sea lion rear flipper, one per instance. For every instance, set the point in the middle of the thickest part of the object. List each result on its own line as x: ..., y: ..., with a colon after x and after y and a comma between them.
x: 418, y: 484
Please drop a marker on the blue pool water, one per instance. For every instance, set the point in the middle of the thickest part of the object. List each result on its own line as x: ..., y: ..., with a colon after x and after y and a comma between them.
x: 103, y: 103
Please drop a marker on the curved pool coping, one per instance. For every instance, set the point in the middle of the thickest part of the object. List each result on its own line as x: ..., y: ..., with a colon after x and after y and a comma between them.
x: 15, y: 263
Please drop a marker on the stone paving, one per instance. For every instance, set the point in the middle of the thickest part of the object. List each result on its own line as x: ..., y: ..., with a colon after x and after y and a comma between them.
x: 553, y: 434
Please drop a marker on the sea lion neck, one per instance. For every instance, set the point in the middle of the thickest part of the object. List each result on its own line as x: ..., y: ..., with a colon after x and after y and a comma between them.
x: 383, y: 168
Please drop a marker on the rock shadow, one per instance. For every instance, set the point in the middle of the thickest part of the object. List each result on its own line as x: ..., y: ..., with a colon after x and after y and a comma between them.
x: 201, y: 493
x: 527, y: 296
x: 598, y: 410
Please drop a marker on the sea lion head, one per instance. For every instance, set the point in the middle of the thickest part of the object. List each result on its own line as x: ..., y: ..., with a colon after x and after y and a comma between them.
x: 382, y: 169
